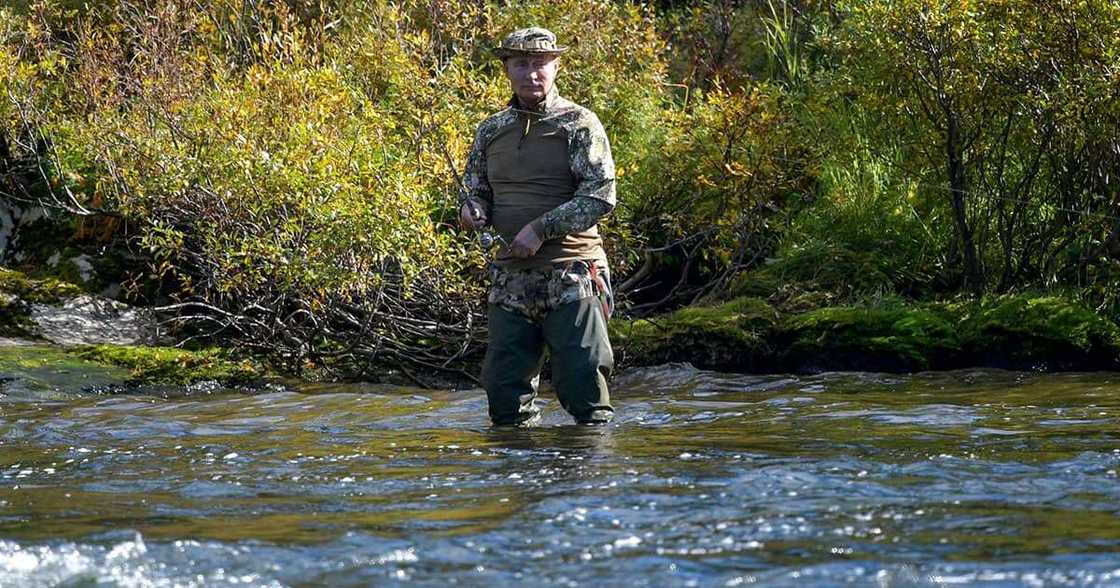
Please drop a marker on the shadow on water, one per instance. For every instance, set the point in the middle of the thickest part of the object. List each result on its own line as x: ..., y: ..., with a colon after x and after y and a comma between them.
x: 978, y: 477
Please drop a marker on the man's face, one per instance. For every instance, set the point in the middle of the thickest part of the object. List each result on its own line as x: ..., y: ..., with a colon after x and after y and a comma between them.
x: 531, y: 76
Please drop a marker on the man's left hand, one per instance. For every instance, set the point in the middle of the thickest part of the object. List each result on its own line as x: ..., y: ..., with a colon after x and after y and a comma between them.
x: 526, y: 243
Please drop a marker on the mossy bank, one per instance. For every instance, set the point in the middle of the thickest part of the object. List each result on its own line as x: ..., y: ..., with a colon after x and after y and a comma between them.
x: 121, y: 367
x: 799, y: 333
x: 28, y: 354
x: 1032, y: 332
x: 168, y: 365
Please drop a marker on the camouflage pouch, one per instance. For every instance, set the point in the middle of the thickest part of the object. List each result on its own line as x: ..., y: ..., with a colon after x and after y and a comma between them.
x: 535, y: 292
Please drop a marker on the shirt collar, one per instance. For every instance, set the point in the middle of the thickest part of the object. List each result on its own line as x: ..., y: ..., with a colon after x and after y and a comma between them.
x: 546, y: 106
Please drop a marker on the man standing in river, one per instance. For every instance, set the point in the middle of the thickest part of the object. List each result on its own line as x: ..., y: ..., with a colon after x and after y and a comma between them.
x: 540, y: 174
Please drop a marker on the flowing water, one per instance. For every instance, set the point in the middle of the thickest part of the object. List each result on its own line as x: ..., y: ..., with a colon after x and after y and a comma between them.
x: 977, y: 477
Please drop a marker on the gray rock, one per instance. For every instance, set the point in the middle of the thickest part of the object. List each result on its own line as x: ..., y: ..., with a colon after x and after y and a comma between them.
x: 85, y: 268
x: 95, y: 320
x: 10, y: 342
x: 8, y: 216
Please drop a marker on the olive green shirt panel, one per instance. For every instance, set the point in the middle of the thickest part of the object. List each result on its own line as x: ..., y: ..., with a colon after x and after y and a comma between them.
x: 551, y: 167
x: 529, y: 174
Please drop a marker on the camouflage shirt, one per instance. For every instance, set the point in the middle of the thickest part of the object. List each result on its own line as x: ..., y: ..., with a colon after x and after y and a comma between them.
x: 533, y: 292
x: 589, y: 158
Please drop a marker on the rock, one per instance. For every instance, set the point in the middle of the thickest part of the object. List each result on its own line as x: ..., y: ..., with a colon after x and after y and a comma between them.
x: 11, y: 342
x: 60, y: 313
x: 85, y: 267
x: 94, y: 320
x: 8, y: 217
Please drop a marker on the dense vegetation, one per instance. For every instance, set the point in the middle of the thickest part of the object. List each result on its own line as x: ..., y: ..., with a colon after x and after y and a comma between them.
x: 288, y: 168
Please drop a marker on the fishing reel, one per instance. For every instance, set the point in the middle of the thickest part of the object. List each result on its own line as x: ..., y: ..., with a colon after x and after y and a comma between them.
x: 488, y: 240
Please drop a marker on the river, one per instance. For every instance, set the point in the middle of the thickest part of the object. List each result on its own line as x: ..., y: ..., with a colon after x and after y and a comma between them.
x: 986, y: 478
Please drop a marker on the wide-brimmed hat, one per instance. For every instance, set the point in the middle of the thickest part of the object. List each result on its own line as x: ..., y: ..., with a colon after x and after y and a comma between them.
x: 530, y: 41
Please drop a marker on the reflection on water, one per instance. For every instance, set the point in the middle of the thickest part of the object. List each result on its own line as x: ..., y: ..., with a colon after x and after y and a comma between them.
x: 976, y: 477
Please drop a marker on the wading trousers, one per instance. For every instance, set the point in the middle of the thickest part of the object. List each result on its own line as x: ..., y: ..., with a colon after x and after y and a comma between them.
x: 575, y: 336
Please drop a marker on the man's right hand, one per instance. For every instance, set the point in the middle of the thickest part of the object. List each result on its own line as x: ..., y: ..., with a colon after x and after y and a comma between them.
x: 472, y: 217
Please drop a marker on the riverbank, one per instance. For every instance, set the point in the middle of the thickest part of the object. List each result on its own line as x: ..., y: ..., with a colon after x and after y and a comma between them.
x: 1023, y: 332
x: 747, y: 334
x: 53, y: 325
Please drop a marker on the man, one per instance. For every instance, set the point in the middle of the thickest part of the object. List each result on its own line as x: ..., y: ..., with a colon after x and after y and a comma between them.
x: 540, y: 174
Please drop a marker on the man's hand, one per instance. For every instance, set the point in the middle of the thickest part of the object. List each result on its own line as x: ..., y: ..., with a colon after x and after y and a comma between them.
x: 526, y: 243
x: 472, y: 217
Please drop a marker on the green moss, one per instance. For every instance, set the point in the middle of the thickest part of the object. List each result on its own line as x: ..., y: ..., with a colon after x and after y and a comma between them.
x: 748, y: 334
x: 44, y: 291
x: 168, y: 365
x: 43, y: 368
x: 729, y: 336
x: 895, y: 339
x: 1050, y: 332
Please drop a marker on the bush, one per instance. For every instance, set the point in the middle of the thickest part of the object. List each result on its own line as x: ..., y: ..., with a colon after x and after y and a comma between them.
x: 996, y: 108
x: 290, y: 166
x: 703, y: 200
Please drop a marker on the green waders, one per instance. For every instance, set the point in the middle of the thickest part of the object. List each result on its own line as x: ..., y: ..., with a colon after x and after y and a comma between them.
x: 575, y: 335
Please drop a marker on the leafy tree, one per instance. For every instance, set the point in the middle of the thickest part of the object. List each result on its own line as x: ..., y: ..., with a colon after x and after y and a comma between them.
x: 981, y: 93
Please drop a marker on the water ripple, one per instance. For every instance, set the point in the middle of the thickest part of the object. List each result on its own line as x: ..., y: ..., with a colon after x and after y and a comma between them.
x: 980, y: 477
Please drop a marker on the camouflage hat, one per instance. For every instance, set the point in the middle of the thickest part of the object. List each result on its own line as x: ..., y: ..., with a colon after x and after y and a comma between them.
x: 530, y: 41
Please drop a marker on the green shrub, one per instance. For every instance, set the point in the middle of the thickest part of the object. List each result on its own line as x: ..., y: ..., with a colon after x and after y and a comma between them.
x: 297, y: 181
x: 291, y: 166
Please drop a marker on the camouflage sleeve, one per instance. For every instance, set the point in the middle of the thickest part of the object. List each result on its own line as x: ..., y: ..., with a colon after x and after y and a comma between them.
x: 578, y: 214
x: 591, y: 161
x: 475, y: 185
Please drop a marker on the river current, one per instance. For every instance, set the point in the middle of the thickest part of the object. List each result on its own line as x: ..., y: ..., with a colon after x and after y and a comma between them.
x: 984, y: 478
